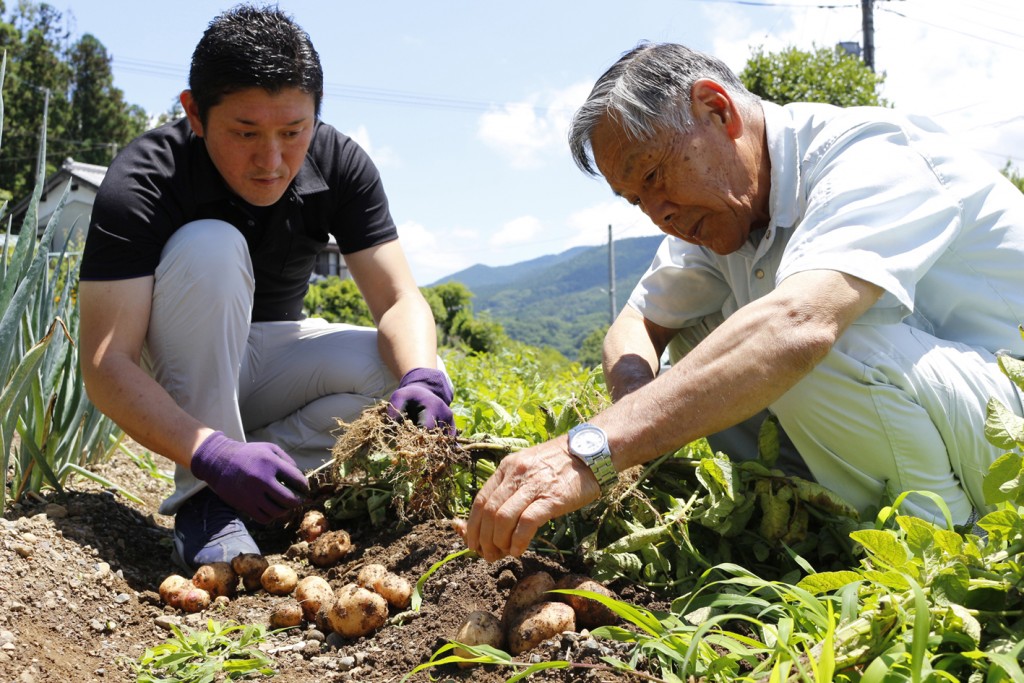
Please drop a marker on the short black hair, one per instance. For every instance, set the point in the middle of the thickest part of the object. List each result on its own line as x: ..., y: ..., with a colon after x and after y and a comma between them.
x: 249, y: 46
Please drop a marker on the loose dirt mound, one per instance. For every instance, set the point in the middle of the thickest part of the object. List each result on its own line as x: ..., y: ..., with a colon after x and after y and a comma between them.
x: 78, y: 602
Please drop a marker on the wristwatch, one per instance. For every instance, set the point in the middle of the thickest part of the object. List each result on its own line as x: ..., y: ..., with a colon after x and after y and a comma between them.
x: 590, y: 444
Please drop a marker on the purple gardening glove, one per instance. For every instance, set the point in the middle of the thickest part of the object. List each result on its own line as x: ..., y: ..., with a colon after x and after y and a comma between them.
x: 257, y: 479
x: 423, y: 396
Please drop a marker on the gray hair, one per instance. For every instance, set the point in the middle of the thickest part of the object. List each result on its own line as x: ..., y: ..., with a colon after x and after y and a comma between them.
x: 647, y: 90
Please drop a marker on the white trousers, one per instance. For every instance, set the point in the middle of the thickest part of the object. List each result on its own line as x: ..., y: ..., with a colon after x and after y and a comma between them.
x: 282, y: 382
x: 892, y: 405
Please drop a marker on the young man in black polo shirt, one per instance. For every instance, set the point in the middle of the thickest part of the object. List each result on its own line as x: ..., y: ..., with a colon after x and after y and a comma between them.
x: 201, y: 244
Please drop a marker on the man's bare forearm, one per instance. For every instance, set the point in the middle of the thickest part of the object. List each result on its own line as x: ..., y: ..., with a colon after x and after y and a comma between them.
x: 144, y: 410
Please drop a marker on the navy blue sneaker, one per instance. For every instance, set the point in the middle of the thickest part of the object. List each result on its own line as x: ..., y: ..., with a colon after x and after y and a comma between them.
x: 206, y: 529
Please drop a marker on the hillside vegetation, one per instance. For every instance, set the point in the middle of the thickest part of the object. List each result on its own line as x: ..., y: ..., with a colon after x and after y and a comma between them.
x: 558, y: 300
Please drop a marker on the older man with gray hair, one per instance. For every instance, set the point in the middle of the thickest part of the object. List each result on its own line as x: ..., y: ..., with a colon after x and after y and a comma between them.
x: 851, y: 271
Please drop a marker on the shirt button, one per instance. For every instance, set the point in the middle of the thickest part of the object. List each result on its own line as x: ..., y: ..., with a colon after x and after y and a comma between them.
x: 759, y: 274
x: 251, y: 223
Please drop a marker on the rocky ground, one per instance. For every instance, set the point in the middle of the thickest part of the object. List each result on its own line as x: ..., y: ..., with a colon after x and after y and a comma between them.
x: 78, y: 595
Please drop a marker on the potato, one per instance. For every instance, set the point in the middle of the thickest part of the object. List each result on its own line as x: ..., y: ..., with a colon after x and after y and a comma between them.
x: 311, y: 592
x: 286, y: 614
x: 279, y: 579
x: 480, y: 628
x: 193, y: 600
x: 171, y: 587
x: 329, y: 548
x: 528, y: 591
x: 537, y: 623
x: 313, y: 524
x: 371, y: 574
x: 589, y: 613
x: 357, y: 612
x: 217, y: 578
x: 394, y: 589
x: 250, y: 566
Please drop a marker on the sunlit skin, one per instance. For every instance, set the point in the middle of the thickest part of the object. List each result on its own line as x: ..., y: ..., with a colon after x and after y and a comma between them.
x: 256, y: 139
x: 707, y: 187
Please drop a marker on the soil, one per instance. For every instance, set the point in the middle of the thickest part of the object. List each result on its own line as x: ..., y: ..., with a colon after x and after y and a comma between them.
x: 79, y: 574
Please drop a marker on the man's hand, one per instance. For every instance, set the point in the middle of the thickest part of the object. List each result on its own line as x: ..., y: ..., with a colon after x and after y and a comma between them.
x: 528, y: 489
x: 258, y: 479
x: 424, y: 396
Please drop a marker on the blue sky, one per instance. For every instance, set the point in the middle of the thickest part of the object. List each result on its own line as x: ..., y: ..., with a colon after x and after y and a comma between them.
x: 464, y: 105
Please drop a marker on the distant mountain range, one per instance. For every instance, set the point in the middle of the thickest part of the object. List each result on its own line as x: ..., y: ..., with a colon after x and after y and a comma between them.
x: 557, y: 300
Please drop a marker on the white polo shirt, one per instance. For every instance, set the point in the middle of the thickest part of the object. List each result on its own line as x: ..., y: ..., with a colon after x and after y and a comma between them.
x: 882, y: 196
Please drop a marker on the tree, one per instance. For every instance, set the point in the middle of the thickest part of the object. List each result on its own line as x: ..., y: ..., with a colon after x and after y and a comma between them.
x: 824, y: 75
x: 87, y: 117
x: 337, y: 301
x: 591, y: 349
x: 447, y: 300
x: 1014, y: 174
x: 37, y: 78
x: 100, y: 120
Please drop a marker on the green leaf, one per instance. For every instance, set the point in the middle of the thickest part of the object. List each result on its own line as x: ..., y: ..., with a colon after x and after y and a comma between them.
x: 826, y: 582
x: 1003, y: 428
x: 883, y: 546
x: 1012, y: 368
x: 768, y: 441
x: 1006, y: 468
x: 1005, y: 524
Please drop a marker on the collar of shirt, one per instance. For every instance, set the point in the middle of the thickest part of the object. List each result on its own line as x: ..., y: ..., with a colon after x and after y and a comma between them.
x: 784, y: 197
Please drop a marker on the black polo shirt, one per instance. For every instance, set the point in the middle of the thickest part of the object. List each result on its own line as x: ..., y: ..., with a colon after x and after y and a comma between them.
x: 165, y: 179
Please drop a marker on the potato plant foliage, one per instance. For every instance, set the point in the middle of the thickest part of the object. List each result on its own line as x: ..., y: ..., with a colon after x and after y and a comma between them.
x: 771, y: 577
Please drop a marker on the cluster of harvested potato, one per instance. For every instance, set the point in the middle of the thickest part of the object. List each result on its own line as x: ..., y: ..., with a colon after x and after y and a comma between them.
x: 530, y: 617
x: 330, y: 547
x: 220, y: 579
x: 180, y: 593
x: 354, y: 610
x: 314, y: 524
x: 390, y: 586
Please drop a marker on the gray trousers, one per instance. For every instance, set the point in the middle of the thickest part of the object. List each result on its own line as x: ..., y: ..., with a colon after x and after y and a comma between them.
x: 282, y: 382
x: 889, y: 405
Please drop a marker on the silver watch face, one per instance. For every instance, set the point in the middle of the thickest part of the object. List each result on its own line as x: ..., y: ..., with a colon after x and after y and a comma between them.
x: 587, y: 442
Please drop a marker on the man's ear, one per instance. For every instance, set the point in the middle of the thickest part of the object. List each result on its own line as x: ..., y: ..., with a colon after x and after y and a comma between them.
x: 191, y: 109
x: 709, y: 99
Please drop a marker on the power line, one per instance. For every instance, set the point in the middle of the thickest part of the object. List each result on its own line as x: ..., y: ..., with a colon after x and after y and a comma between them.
x: 953, y: 30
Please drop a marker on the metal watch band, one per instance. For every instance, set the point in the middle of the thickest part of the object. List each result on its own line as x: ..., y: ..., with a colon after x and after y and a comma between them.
x: 599, y: 463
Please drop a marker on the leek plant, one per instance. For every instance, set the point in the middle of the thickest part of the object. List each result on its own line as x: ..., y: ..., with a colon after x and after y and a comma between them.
x: 50, y: 430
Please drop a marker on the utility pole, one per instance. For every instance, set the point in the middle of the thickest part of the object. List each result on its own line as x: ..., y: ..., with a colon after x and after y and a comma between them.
x: 868, y: 23
x: 611, y: 275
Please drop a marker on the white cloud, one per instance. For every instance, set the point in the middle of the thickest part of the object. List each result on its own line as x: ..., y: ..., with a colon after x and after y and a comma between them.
x: 517, y: 231
x: 589, y: 226
x: 429, y: 258
x: 382, y: 157
x: 525, y: 132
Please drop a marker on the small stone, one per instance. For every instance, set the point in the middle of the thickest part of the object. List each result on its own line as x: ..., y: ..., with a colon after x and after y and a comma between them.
x: 55, y: 511
x: 347, y: 662
x: 311, y: 647
x: 316, y: 635
x: 122, y: 598
x: 165, y: 621
x: 23, y: 549
x: 297, y: 550
x: 29, y: 537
